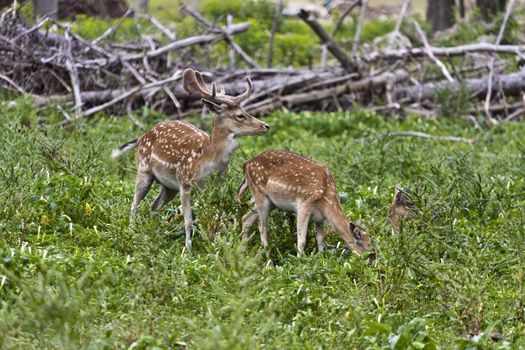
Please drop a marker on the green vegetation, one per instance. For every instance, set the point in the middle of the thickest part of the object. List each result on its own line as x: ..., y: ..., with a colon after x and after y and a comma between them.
x: 74, y: 274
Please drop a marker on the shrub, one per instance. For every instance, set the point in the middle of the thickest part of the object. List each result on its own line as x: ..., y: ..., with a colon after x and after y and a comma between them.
x: 453, y: 103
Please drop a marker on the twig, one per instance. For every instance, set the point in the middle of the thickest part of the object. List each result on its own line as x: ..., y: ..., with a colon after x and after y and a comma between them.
x: 36, y: 27
x: 515, y: 114
x: 343, y: 16
x: 231, y: 51
x: 360, y: 22
x: 165, y: 30
x: 200, y: 18
x: 445, y: 51
x: 488, y: 97
x: 73, y: 75
x: 275, y: 26
x: 323, y: 83
x: 175, y: 45
x: 131, y: 92
x: 402, y: 14
x: 226, y: 33
x: 430, y: 54
x: 112, y: 29
x: 14, y: 85
x: 423, y: 135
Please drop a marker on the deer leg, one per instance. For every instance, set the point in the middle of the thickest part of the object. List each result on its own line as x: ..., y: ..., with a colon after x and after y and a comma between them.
x: 319, y: 228
x: 303, y: 216
x: 223, y: 171
x: 248, y: 220
x: 264, y: 206
x: 164, y: 197
x: 185, y: 191
x: 142, y: 186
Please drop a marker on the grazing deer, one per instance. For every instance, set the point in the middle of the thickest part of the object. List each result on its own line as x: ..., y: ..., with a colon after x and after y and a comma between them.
x: 177, y: 154
x: 289, y: 181
x: 402, y: 207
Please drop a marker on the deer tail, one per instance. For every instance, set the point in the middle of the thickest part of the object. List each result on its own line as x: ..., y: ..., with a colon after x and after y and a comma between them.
x: 124, y: 148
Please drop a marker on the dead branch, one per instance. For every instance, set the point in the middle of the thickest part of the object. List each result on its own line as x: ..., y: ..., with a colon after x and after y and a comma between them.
x: 344, y: 15
x: 360, y: 22
x: 192, y: 41
x: 95, y: 75
x: 461, y: 50
x: 491, y: 62
x: 512, y: 85
x: 430, y: 54
x: 430, y: 137
x: 317, y: 95
x: 114, y: 28
x: 394, y: 35
x: 226, y: 33
x: 133, y: 91
x: 349, y: 64
x: 165, y: 30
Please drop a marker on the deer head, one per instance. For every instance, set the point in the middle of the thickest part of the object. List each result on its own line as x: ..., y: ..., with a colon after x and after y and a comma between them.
x: 230, y: 114
x: 402, y: 207
x: 362, y: 238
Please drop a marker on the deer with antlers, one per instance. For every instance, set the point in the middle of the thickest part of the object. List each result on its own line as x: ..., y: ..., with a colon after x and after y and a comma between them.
x: 177, y: 154
x: 289, y: 181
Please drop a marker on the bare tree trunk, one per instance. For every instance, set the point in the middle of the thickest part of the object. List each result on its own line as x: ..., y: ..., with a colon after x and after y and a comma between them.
x: 47, y: 8
x: 275, y: 27
x: 141, y: 6
x: 440, y: 14
x: 489, y: 8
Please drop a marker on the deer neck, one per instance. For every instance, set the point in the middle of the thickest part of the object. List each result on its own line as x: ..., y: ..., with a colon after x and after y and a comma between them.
x: 334, y: 213
x: 219, y: 148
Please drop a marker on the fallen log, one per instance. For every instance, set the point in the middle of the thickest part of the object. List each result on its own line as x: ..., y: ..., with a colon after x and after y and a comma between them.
x: 328, y: 93
x: 417, y: 52
x: 512, y: 84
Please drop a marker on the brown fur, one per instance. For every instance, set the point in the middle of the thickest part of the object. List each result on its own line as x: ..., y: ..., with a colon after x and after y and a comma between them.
x: 293, y: 182
x: 401, y: 207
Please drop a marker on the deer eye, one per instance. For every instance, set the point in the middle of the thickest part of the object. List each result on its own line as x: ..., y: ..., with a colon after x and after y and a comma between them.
x: 240, y: 117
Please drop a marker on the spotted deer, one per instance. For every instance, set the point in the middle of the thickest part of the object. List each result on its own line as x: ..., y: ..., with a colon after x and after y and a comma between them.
x: 177, y: 154
x: 292, y: 182
x: 401, y: 208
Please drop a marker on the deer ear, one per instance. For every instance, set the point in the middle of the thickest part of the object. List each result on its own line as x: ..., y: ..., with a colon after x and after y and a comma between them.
x: 352, y: 227
x: 212, y: 106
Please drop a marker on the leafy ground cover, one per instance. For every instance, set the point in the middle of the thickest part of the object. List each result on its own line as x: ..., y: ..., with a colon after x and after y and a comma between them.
x: 74, y: 274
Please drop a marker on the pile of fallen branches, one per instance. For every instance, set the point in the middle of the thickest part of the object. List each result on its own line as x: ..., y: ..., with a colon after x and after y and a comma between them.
x: 60, y: 67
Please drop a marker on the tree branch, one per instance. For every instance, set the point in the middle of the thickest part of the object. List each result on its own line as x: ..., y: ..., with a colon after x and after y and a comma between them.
x: 331, y: 45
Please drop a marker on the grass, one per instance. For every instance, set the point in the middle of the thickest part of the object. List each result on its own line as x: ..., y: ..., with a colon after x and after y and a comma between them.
x: 75, y: 275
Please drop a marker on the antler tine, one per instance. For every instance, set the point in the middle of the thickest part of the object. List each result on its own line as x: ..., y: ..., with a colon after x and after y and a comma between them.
x: 212, y: 94
x: 194, y: 84
x: 201, y: 82
x: 238, y: 99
